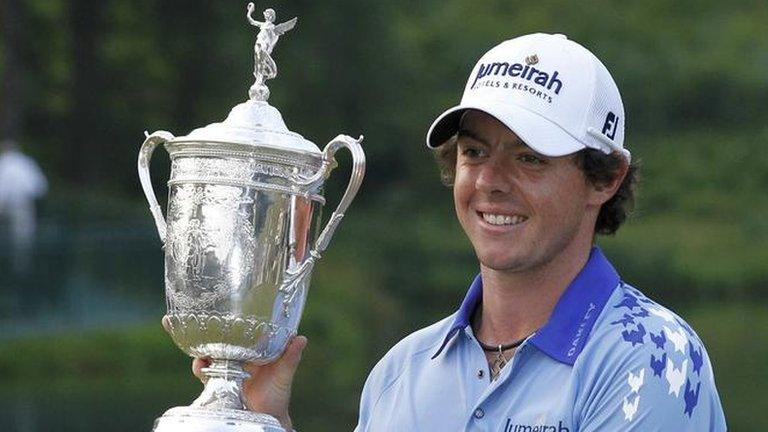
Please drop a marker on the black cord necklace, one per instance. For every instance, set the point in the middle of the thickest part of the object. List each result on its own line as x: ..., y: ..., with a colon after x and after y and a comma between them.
x: 500, y: 361
x: 501, y: 348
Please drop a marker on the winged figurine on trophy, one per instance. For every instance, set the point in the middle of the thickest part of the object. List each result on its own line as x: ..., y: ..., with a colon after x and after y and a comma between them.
x: 264, y: 66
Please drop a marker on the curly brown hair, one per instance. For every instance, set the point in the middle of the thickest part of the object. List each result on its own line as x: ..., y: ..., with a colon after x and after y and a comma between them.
x: 598, y: 167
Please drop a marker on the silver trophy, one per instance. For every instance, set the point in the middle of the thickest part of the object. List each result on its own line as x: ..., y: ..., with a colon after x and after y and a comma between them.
x: 241, y: 237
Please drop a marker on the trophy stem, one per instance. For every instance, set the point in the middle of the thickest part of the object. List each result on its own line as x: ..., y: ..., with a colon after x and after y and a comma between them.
x: 220, y: 408
x: 223, y: 389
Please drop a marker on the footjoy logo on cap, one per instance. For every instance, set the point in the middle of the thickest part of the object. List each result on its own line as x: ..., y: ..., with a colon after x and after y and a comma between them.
x: 609, y: 127
x: 526, y: 72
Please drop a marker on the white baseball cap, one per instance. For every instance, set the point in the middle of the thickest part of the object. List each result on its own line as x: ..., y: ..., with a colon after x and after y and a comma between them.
x: 550, y: 91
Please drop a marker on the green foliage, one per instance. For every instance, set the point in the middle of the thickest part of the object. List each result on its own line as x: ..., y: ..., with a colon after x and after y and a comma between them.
x: 737, y: 349
x: 700, y: 227
x: 98, y: 354
x: 380, y: 68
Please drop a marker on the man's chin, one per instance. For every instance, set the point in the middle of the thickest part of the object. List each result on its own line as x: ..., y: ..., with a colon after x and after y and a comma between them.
x: 501, y: 264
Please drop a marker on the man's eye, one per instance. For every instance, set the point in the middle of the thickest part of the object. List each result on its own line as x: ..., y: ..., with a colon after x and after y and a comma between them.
x: 531, y: 159
x: 472, y: 152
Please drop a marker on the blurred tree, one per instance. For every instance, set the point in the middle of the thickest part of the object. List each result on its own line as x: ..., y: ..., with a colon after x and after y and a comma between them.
x: 85, y: 128
x: 11, y: 100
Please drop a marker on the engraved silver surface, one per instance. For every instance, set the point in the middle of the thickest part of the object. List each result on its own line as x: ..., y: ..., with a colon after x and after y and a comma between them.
x: 241, y: 238
x: 190, y: 419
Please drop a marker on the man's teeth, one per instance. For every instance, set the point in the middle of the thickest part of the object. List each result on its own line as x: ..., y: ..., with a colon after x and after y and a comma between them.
x: 503, y: 219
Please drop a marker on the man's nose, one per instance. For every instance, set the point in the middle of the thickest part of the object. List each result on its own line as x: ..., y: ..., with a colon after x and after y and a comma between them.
x: 494, y: 177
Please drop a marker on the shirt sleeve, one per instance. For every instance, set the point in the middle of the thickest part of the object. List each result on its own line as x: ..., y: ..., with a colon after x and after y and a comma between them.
x: 365, y: 405
x: 383, y: 375
x: 646, y: 388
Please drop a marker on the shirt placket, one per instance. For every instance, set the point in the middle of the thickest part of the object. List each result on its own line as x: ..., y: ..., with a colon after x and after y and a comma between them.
x: 478, y: 419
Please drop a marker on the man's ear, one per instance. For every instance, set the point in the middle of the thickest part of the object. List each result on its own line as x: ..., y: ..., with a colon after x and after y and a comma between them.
x: 606, y: 189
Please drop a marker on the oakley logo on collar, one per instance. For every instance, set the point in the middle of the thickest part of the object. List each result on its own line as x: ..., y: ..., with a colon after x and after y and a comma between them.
x: 526, y: 72
x: 580, y: 330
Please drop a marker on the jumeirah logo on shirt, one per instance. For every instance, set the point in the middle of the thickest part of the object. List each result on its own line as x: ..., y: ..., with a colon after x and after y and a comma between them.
x: 518, y: 427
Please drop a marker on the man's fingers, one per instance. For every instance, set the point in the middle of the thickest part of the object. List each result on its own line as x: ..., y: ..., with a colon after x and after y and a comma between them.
x: 165, y: 321
x: 197, y: 368
x: 284, y: 367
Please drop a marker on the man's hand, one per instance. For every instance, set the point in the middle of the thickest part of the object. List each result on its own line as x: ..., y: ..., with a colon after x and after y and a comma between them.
x: 268, y: 390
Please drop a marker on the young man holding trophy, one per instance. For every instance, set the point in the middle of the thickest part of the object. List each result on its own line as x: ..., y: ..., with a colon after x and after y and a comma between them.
x: 548, y: 337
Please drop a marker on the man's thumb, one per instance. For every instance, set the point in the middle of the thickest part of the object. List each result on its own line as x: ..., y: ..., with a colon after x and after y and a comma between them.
x: 292, y: 356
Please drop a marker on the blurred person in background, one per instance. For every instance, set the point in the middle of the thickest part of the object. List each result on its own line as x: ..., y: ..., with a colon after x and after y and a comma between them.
x: 21, y: 183
x: 548, y: 337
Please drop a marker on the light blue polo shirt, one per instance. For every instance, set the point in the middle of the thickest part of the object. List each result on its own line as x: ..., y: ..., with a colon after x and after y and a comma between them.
x: 608, y: 359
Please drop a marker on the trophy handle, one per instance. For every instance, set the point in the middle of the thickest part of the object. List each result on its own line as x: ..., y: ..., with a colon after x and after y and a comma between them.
x: 145, y: 155
x: 294, y: 278
x: 355, y: 179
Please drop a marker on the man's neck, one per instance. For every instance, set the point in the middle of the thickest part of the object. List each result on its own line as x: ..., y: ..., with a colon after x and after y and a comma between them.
x: 516, y: 304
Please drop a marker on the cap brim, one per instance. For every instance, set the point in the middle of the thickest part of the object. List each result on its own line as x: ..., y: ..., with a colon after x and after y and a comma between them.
x: 537, y: 132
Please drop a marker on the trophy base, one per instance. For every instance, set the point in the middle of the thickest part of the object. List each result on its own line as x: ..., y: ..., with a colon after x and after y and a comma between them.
x: 188, y: 419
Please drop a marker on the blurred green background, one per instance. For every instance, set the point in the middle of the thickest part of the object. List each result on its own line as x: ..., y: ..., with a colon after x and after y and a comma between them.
x: 81, y: 348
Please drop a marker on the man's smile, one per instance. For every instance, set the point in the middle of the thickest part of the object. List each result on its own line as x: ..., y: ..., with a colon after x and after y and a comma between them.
x: 500, y: 219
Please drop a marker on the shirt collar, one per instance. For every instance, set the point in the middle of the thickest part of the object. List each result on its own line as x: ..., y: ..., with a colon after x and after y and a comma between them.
x: 464, y: 314
x: 565, y: 334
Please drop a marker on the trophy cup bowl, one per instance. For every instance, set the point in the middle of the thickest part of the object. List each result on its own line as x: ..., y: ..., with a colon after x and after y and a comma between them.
x: 241, y: 238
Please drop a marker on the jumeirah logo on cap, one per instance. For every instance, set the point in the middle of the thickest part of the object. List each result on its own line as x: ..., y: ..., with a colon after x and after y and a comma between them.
x: 532, y: 59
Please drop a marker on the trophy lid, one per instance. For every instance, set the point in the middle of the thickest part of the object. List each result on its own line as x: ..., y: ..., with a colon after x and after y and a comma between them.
x: 252, y: 123
x: 256, y: 123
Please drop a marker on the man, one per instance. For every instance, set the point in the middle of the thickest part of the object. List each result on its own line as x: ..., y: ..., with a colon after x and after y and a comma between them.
x: 21, y: 183
x: 548, y: 337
